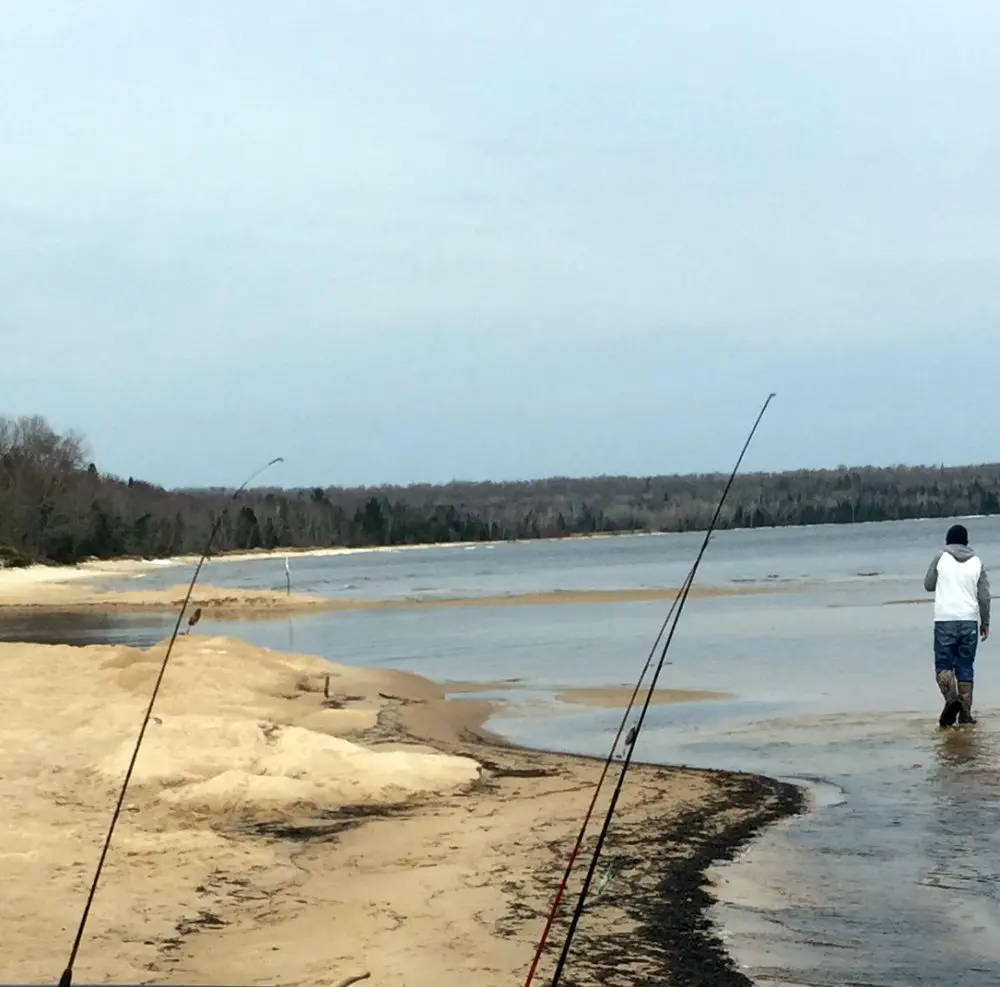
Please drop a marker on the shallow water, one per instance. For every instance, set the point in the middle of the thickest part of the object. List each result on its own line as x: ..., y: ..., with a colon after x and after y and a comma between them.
x: 81, y: 628
x: 824, y: 553
x: 897, y: 884
x: 892, y: 879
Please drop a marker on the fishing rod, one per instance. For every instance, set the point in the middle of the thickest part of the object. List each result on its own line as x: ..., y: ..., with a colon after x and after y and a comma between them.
x: 681, y: 601
x: 67, y: 977
x: 560, y: 891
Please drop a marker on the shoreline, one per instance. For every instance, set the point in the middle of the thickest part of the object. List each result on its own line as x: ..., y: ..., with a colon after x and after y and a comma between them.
x: 255, y: 859
x: 670, y: 895
x: 130, y: 564
x: 122, y: 564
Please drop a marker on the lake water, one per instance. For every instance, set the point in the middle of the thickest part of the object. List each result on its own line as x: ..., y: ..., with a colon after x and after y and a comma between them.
x: 892, y: 879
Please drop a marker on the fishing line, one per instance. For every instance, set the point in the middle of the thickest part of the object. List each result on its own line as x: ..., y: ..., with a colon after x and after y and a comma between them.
x: 682, y: 598
x: 597, y: 791
x: 67, y: 977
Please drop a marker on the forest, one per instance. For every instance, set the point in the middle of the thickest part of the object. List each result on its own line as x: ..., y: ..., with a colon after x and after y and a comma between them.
x: 57, y: 506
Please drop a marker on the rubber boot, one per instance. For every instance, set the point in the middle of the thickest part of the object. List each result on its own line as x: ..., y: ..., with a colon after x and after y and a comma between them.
x: 952, y: 700
x: 965, y: 717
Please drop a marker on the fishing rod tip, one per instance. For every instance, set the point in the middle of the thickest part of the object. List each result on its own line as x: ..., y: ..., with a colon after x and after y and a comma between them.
x: 277, y: 459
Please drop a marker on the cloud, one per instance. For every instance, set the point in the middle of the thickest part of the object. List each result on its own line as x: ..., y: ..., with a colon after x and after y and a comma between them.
x: 345, y: 212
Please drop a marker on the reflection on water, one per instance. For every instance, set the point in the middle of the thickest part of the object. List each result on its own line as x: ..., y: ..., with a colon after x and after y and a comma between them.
x: 897, y: 885
x: 82, y: 627
x: 965, y: 795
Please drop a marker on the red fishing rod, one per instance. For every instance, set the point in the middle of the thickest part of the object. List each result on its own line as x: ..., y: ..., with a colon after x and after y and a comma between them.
x: 675, y: 610
x: 560, y: 891
x: 682, y: 600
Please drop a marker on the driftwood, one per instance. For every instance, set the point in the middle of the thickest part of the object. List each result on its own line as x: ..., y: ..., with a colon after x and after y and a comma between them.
x: 352, y: 980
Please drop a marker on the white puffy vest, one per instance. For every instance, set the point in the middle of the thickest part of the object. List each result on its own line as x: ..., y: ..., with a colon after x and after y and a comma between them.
x: 955, y: 597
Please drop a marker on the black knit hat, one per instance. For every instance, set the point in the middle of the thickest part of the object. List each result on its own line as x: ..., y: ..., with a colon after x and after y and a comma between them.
x: 957, y: 535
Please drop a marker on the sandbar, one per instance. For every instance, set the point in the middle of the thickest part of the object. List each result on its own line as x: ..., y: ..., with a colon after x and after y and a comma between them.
x: 42, y: 595
x: 603, y: 697
x: 618, y: 696
x: 67, y: 589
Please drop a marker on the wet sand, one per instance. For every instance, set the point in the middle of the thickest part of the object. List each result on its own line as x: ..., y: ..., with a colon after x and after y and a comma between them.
x: 224, y: 603
x: 616, y: 697
x: 590, y: 596
x: 600, y: 697
x: 295, y: 821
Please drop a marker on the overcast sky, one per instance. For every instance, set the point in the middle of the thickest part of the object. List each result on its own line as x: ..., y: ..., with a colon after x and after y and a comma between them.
x: 399, y: 242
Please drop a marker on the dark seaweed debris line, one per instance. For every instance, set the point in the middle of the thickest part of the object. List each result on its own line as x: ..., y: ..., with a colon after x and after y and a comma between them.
x: 637, y: 726
x: 676, y: 944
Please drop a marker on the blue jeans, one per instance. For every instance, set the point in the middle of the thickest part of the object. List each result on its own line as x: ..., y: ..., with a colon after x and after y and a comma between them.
x: 955, y: 643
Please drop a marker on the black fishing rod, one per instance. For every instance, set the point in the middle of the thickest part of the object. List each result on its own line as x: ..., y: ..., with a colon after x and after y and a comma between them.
x: 634, y: 733
x: 571, y: 860
x: 67, y: 977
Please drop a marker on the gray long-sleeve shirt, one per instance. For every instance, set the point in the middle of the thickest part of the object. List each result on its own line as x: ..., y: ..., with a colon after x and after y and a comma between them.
x: 947, y: 595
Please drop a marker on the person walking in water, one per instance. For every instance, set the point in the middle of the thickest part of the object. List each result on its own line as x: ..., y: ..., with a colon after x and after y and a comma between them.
x: 961, y: 588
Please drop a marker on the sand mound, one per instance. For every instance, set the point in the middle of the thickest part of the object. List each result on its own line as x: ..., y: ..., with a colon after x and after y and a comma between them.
x: 212, y: 762
x: 232, y: 723
x: 239, y: 735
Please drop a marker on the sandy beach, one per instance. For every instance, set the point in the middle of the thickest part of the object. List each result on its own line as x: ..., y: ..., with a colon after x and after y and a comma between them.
x: 133, y: 566
x: 297, y: 822
x: 127, y: 564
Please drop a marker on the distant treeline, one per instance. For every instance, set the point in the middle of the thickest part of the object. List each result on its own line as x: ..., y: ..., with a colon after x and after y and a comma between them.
x: 57, y: 505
